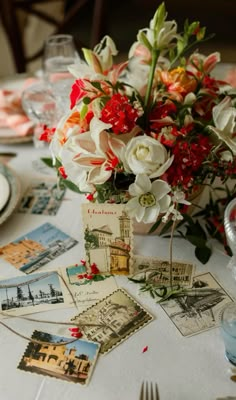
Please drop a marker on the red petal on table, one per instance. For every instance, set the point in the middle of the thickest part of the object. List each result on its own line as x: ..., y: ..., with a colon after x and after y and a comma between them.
x: 145, y: 349
x: 77, y: 335
x: 74, y: 329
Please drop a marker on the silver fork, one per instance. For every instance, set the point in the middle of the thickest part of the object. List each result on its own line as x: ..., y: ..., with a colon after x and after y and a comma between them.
x: 149, y: 391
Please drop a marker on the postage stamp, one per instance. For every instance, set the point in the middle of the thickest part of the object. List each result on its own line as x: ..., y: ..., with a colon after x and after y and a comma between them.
x: 157, y: 271
x: 37, y: 248
x: 58, y: 358
x: 108, y: 237
x: 33, y: 293
x: 114, y: 319
x: 42, y: 198
x: 200, y: 308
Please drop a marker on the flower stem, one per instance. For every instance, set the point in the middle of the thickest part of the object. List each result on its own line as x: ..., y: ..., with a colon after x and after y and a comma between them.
x: 155, y: 55
x: 171, y: 254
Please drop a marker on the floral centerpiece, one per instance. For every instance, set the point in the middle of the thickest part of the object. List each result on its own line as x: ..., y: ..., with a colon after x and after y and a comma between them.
x: 148, y: 131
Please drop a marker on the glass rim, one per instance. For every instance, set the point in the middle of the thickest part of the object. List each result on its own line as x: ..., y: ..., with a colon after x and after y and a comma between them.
x: 57, y: 39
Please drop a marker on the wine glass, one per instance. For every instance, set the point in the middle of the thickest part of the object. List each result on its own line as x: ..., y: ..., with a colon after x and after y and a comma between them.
x: 59, y: 53
x: 39, y: 104
x: 230, y: 231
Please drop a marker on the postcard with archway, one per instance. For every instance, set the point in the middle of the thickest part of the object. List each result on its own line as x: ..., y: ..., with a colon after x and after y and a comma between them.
x: 108, y: 238
x: 60, y: 357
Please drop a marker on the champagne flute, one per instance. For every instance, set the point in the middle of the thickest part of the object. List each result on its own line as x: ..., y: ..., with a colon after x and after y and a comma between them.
x: 230, y: 231
x: 59, y: 53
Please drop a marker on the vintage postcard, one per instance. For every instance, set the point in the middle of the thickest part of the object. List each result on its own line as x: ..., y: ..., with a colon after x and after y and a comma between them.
x: 42, y: 198
x: 157, y: 271
x: 86, y: 291
x: 200, y: 308
x: 37, y: 248
x: 72, y: 362
x: 115, y: 319
x: 108, y: 237
x: 33, y: 293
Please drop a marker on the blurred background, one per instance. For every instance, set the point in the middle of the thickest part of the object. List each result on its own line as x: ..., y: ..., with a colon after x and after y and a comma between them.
x: 22, y: 33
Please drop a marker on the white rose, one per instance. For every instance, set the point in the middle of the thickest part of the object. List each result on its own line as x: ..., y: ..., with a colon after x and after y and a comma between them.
x: 145, y: 155
x: 224, y: 117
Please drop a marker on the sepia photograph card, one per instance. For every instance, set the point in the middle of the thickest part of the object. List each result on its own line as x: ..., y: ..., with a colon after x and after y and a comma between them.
x: 37, y: 248
x: 113, y: 320
x: 157, y: 271
x: 42, y: 198
x: 33, y: 293
x: 108, y: 237
x: 87, y: 292
x: 60, y: 357
x: 200, y: 308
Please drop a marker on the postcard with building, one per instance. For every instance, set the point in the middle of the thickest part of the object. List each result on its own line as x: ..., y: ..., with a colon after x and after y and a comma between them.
x: 199, y: 309
x: 108, y: 237
x: 33, y: 293
x: 157, y: 271
x: 42, y: 198
x: 72, y: 362
x: 116, y: 318
x: 37, y: 248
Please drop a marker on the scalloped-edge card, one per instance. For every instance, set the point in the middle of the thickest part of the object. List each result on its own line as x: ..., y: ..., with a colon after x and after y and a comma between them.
x: 72, y: 362
x: 113, y: 320
x: 108, y: 238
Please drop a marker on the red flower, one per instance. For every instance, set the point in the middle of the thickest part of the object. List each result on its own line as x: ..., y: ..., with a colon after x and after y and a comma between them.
x: 120, y: 114
x: 62, y: 172
x: 188, y: 159
x: 94, y: 269
x: 47, y: 134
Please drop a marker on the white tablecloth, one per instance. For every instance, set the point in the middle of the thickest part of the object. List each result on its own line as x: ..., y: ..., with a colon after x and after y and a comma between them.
x: 192, y: 368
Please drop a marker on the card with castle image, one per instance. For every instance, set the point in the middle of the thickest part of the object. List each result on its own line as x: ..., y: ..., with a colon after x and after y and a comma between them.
x: 108, y: 238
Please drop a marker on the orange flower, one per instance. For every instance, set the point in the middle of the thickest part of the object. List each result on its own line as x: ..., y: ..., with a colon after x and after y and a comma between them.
x: 178, y: 81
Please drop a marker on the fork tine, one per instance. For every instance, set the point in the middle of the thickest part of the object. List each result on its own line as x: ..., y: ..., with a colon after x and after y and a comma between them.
x: 157, y: 392
x: 141, y: 397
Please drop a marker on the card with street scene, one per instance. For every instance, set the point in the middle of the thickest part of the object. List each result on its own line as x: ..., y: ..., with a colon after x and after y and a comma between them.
x: 60, y: 357
x: 37, y: 248
x: 42, y: 197
x: 32, y: 293
x: 199, y: 309
x: 113, y: 320
x: 87, y: 289
x: 108, y: 237
x: 157, y: 271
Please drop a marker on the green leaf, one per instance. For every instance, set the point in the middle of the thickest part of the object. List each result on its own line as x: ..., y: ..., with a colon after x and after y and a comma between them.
x: 196, y: 241
x: 203, y: 254
x: 48, y: 161
x: 70, y: 185
x: 166, y: 227
x: 155, y: 226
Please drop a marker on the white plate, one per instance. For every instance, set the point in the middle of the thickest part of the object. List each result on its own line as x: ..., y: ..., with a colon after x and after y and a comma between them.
x: 4, y: 191
x: 15, y: 192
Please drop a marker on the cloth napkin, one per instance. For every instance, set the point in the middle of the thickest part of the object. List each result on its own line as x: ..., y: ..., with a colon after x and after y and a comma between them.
x: 12, y: 114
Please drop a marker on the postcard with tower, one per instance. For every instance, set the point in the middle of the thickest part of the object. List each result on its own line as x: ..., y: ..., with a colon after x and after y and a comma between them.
x: 108, y: 238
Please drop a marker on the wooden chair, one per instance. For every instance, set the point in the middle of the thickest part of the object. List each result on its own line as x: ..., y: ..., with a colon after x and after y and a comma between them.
x: 9, y: 14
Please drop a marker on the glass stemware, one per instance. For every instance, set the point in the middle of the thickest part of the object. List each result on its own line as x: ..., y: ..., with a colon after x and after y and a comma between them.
x: 39, y: 105
x: 230, y: 231
x: 59, y: 53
